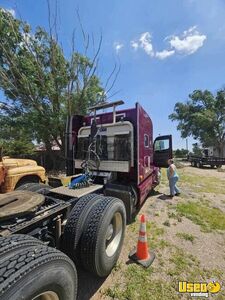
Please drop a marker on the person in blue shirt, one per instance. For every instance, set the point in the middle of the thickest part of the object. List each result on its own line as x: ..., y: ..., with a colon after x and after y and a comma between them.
x: 173, y: 178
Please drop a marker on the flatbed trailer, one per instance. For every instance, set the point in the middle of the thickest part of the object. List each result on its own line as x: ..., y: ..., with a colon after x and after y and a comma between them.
x: 112, y: 165
x: 212, y: 161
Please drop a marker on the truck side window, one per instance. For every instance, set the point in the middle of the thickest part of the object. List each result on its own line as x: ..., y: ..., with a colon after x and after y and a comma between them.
x: 161, y: 145
x: 146, y: 141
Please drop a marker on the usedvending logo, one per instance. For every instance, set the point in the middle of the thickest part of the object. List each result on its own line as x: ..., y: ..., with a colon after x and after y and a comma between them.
x: 199, y: 289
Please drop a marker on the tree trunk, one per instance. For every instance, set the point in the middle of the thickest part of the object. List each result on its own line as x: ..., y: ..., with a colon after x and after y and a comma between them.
x: 221, y: 149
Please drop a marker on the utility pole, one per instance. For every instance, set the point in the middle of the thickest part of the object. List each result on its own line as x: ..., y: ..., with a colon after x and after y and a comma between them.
x: 187, y: 144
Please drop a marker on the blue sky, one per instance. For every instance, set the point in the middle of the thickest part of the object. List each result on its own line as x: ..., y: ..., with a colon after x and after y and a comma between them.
x: 166, y: 49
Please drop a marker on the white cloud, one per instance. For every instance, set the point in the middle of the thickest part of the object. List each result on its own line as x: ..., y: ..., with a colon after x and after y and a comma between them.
x: 118, y: 46
x: 9, y: 10
x: 145, y: 42
x: 164, y: 54
x: 134, y: 45
x: 190, y: 30
x: 189, y: 42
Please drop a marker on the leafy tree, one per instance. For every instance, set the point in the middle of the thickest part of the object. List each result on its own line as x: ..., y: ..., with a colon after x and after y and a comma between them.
x: 16, y: 148
x: 203, y: 117
x: 14, y: 137
x: 197, y: 150
x: 41, y: 84
x: 180, y: 153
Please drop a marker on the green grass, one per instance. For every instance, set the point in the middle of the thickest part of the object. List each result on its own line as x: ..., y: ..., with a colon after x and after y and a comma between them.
x: 160, y: 281
x: 162, y: 244
x: 208, y: 218
x: 188, y: 267
x: 139, y: 284
x: 185, y: 236
x: 180, y: 263
x: 163, y: 177
x: 154, y: 234
x: 202, y: 184
x: 154, y: 230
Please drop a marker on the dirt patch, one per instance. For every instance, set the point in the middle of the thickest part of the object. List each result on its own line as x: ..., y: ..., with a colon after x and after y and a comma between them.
x: 206, y: 172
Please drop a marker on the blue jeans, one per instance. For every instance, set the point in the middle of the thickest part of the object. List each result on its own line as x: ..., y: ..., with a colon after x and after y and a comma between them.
x: 173, y: 188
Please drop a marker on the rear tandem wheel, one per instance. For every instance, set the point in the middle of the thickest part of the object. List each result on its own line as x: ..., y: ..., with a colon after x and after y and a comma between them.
x: 75, y: 225
x: 94, y: 233
x: 103, y: 235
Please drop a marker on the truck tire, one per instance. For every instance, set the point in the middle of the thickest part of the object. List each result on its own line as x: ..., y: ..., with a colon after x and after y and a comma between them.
x: 199, y: 165
x: 15, y: 242
x: 75, y: 224
x: 192, y: 164
x: 38, y: 273
x: 103, y: 236
x: 35, y: 187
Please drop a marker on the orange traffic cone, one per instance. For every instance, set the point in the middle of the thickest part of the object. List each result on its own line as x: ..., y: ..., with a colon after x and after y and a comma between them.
x: 141, y: 255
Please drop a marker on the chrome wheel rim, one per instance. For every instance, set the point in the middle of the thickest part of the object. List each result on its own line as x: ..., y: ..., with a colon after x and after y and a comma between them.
x: 49, y: 295
x: 113, y: 234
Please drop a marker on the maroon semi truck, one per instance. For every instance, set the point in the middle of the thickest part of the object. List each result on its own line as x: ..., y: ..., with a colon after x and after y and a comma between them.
x: 112, y: 165
x: 127, y: 158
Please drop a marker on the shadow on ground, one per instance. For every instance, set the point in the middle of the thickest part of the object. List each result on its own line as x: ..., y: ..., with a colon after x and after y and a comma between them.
x: 88, y: 284
x: 154, y: 193
x: 164, y: 197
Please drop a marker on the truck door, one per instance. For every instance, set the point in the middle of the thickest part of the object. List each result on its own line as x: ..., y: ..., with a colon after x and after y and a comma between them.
x: 162, y: 150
